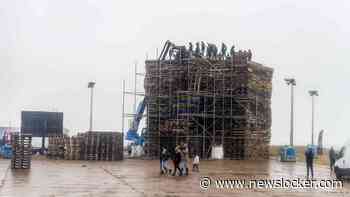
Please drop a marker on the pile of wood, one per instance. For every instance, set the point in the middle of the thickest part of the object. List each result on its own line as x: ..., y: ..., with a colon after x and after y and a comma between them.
x: 73, y: 151
x: 206, y: 102
x: 106, y: 146
x: 22, y: 150
x: 103, y: 146
x: 57, y: 146
x: 67, y: 149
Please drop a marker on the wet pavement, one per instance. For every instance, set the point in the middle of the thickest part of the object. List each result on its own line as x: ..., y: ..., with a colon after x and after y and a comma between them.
x: 133, y: 177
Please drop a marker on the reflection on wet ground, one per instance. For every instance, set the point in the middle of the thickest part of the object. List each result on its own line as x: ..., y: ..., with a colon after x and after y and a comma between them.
x: 141, y: 178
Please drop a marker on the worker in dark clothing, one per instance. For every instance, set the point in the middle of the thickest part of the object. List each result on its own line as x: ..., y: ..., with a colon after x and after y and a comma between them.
x: 161, y: 160
x: 309, y: 156
x: 129, y: 149
x: 332, y: 157
x: 163, y: 153
x: 177, y: 160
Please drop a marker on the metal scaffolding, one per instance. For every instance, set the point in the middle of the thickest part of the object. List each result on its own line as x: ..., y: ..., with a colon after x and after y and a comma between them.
x: 135, y: 94
x: 206, y: 102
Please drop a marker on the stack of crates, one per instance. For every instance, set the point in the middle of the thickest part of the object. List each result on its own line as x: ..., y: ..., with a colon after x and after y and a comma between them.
x: 60, y: 147
x: 22, y: 150
x: 53, y: 147
x: 104, y: 146
x: 75, y: 148
x: 67, y: 148
x: 117, y: 146
x: 91, y: 144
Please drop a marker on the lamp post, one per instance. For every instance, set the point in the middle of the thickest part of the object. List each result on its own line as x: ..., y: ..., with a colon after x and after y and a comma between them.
x: 313, y: 93
x: 291, y: 82
x: 91, y: 85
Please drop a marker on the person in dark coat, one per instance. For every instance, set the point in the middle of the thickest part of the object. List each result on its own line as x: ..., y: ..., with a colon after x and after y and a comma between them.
x: 163, y: 161
x: 177, y: 160
x: 309, y: 157
x: 332, y: 158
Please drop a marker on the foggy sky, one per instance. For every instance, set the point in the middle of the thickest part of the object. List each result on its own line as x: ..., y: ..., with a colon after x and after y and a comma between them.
x: 49, y: 50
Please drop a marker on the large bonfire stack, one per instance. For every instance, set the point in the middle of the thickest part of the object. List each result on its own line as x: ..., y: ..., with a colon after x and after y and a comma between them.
x: 208, y: 100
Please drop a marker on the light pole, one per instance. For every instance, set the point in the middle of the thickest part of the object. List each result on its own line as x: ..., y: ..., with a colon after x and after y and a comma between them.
x: 292, y: 83
x: 313, y: 93
x: 91, y: 85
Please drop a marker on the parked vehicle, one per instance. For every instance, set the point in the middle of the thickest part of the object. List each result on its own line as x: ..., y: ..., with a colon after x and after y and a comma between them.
x: 342, y: 164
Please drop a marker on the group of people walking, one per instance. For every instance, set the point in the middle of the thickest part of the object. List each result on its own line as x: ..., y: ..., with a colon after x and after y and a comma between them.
x: 180, y: 160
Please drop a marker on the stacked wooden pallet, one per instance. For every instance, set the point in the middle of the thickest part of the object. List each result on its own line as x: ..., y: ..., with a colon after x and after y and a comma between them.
x: 106, y: 146
x: 57, y: 146
x: 91, y: 143
x: 75, y: 148
x: 67, y: 148
x: 22, y: 150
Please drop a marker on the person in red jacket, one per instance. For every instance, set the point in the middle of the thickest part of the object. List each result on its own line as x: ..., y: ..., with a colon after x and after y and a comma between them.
x: 177, y: 160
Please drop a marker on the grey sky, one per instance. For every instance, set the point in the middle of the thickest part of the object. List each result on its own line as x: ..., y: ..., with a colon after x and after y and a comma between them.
x: 49, y: 50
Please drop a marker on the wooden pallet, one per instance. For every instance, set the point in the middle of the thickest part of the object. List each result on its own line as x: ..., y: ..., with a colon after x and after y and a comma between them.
x: 105, y: 146
x: 22, y: 151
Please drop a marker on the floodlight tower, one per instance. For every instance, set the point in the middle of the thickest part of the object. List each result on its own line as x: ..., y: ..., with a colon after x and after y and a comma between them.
x: 91, y: 85
x: 291, y: 82
x: 313, y: 93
